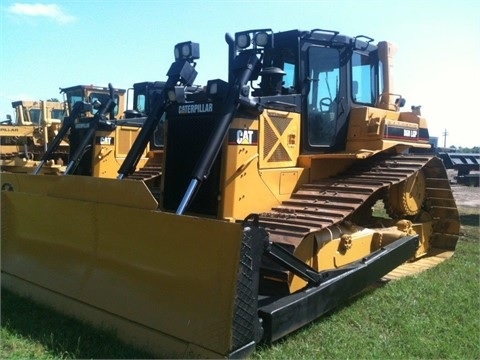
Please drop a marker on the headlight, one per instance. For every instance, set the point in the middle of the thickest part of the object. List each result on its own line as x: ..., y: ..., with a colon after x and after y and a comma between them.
x: 243, y: 41
x: 261, y: 39
x: 256, y: 39
x: 187, y: 50
x: 217, y: 88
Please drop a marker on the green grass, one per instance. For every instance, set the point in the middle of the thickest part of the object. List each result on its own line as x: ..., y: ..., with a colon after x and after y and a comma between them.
x: 433, y: 315
x: 32, y: 331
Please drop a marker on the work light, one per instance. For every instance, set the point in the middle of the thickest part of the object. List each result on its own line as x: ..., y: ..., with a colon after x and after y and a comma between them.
x: 216, y: 88
x: 243, y: 41
x: 187, y: 50
x: 256, y: 39
x: 261, y: 39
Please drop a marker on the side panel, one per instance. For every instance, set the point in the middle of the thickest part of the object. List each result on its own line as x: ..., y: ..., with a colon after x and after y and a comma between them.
x: 172, y: 275
x: 188, y: 135
x: 110, y: 149
x: 259, y: 167
x: 379, y: 129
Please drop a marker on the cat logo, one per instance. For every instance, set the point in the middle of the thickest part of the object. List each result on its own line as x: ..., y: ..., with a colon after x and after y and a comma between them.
x: 242, y: 137
x: 104, y: 140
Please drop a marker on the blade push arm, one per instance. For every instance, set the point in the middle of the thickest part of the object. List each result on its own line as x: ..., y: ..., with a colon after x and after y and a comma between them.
x: 244, y: 65
x: 180, y: 71
x: 79, y: 108
x: 105, y: 108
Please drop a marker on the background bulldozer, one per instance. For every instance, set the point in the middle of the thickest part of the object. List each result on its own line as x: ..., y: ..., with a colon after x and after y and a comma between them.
x: 37, y: 123
x: 260, y: 217
x: 28, y: 151
x: 100, y: 136
x: 23, y: 141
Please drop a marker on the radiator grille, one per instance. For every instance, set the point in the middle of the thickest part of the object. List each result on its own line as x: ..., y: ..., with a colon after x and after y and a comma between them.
x: 274, y: 142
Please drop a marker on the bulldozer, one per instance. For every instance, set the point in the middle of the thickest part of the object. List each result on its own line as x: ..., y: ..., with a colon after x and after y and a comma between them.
x: 261, y: 219
x: 100, y: 136
x: 38, y: 123
x: 23, y: 141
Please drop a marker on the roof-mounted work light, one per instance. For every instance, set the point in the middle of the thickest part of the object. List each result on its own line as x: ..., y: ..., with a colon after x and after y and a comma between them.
x: 243, y: 41
x: 261, y: 39
x: 257, y: 39
x: 189, y: 51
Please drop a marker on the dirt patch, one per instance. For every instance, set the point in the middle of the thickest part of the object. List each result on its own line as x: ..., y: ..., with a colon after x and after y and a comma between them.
x: 464, y: 195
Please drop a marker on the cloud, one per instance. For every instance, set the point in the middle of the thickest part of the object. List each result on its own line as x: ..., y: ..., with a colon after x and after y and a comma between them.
x: 51, y: 11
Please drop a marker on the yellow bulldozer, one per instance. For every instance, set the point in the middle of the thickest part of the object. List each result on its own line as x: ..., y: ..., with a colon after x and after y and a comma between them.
x: 23, y: 141
x: 260, y: 219
x: 37, y: 123
x: 100, y: 136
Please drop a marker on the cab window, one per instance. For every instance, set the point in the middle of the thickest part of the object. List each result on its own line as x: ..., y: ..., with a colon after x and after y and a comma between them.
x: 363, y: 79
x: 324, y: 76
x: 57, y: 114
x: 35, y: 116
x: 102, y: 98
x: 72, y: 99
x: 289, y: 78
x: 140, y: 103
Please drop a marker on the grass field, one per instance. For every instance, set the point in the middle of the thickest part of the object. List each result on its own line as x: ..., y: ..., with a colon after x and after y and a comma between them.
x: 433, y: 315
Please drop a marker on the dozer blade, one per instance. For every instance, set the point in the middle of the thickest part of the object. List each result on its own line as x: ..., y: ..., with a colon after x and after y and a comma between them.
x: 98, y: 249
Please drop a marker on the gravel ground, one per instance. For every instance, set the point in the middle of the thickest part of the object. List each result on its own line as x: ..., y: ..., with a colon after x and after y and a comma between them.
x: 464, y: 195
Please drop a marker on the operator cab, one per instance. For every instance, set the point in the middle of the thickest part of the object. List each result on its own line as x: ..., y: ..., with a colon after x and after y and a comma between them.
x: 321, y: 75
x: 93, y: 94
x: 143, y: 101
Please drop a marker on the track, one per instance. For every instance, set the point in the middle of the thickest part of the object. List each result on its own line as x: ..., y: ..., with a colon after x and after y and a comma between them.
x: 146, y: 173
x: 349, y: 197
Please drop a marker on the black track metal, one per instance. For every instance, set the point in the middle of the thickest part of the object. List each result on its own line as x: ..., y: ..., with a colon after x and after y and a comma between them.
x: 320, y: 205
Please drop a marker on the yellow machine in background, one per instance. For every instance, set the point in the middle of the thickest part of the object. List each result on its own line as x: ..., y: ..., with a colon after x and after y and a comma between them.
x: 95, y: 95
x: 23, y: 142
x: 38, y: 123
x: 100, y: 136
x: 260, y: 220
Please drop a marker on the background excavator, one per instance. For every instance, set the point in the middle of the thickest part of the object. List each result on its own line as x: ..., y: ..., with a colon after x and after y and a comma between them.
x: 260, y: 218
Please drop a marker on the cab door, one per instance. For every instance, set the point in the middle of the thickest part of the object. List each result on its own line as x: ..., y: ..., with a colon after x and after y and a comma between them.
x: 326, y: 101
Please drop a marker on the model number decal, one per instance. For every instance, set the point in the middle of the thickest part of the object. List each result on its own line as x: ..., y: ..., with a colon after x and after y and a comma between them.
x: 410, y: 133
x: 397, y: 132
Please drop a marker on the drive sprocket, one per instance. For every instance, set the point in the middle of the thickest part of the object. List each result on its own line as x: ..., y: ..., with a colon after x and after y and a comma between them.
x: 407, y: 197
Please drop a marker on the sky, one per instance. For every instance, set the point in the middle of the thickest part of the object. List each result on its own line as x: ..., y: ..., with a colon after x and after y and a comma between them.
x: 47, y: 45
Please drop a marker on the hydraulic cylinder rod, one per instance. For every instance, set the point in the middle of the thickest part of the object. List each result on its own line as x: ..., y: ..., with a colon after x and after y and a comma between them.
x: 68, y: 122
x: 244, y: 65
x: 180, y: 71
